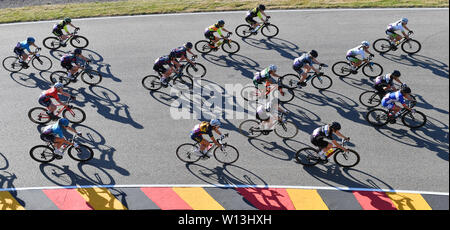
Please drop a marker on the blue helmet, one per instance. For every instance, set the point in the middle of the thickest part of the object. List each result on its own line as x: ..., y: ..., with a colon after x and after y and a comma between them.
x: 63, y: 122
x: 30, y: 40
x: 215, y: 122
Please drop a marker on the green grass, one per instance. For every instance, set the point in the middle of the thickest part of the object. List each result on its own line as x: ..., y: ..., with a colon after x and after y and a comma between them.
x: 136, y: 7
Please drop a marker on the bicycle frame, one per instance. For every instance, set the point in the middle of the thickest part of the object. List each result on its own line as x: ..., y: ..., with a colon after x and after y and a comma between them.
x: 219, y: 140
x: 60, y: 110
x: 336, y: 149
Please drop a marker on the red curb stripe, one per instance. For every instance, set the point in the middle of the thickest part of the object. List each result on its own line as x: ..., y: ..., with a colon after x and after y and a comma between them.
x: 267, y: 198
x: 166, y: 198
x: 374, y: 200
x: 67, y: 199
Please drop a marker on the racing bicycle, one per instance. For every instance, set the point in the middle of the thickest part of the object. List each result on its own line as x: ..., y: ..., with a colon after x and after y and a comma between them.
x: 229, y: 46
x: 267, y: 29
x: 75, y: 40
x: 369, y: 68
x: 194, y: 71
x: 412, y: 119
x: 190, y: 153
x: 372, y: 98
x: 46, y: 153
x: 182, y: 82
x: 284, y: 94
x: 88, y: 76
x: 318, y: 81
x: 75, y: 115
x: 408, y: 45
x: 310, y: 156
x: 40, y: 62
x: 283, y: 128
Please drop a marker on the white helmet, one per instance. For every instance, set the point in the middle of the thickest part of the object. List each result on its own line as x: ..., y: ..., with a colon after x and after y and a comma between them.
x: 215, y: 122
x: 273, y: 68
x: 365, y: 43
x: 58, y: 85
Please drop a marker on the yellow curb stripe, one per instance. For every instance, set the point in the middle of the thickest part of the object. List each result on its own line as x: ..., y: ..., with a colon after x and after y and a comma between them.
x: 306, y: 199
x: 101, y: 199
x: 198, y: 199
x: 408, y: 201
x: 7, y: 202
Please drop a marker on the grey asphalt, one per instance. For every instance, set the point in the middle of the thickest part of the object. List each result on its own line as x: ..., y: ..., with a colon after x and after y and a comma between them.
x: 134, y: 133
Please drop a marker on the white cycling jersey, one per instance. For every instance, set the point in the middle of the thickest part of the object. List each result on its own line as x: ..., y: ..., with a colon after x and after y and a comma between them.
x: 396, y: 26
x: 359, y: 50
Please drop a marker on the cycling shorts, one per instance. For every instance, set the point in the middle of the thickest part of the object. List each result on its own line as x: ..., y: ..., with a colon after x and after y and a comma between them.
x: 19, y: 51
x: 159, y: 68
x: 209, y: 34
x: 67, y: 65
x: 48, y: 137
x: 249, y: 19
x: 321, y: 143
x: 197, y: 137
x: 387, y: 105
x: 44, y: 100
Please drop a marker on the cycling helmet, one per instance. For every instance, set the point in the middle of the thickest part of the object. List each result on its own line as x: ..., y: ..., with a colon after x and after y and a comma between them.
x: 63, y: 122
x: 188, y: 45
x: 313, y: 53
x: 215, y: 122
x: 67, y: 20
x: 262, y: 7
x: 335, y: 125
x: 404, y: 20
x: 172, y: 55
x: 58, y: 85
x: 77, y: 51
x: 365, y: 43
x: 273, y: 68
x: 221, y: 23
x: 30, y: 40
x: 396, y: 73
x: 405, y: 89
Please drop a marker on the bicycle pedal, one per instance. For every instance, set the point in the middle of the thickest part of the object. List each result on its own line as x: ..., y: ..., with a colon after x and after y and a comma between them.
x: 58, y: 157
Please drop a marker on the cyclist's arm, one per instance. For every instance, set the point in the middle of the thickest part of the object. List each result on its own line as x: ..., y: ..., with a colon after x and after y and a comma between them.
x: 65, y: 94
x: 341, y: 135
x: 219, y: 31
x: 260, y: 15
x: 65, y: 29
x: 274, y: 74
x: 339, y: 146
x: 226, y: 30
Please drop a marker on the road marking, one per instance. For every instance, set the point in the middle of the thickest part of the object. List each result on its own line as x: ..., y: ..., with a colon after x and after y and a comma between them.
x: 67, y: 199
x: 7, y: 202
x: 165, y: 198
x: 306, y: 199
x: 101, y: 199
x: 374, y: 200
x: 198, y: 199
x: 267, y: 198
x: 406, y: 201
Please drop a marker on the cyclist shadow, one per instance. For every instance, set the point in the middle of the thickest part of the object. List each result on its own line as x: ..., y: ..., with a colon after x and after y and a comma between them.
x: 364, y: 83
x: 33, y: 81
x: 437, y: 67
x: 272, y: 148
x: 285, y: 48
x: 243, y: 64
x: 6, y: 181
x: 302, y: 117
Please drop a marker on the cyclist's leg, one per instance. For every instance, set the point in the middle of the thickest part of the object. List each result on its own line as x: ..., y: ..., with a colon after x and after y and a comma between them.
x: 323, y: 146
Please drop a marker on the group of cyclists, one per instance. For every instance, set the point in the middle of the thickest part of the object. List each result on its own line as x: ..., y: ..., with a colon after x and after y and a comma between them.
x: 266, y: 113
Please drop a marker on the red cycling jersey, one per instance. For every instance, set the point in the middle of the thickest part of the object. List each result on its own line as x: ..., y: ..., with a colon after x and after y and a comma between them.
x: 52, y: 92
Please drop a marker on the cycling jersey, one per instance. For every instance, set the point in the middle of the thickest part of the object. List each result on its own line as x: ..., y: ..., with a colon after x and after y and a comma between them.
x: 254, y: 12
x: 55, y: 129
x: 23, y: 45
x: 164, y: 60
x: 396, y: 26
x: 262, y: 76
x: 264, y: 112
x: 214, y: 28
x: 389, y: 99
x: 179, y: 52
x: 61, y: 25
x: 384, y: 80
x: 203, y: 128
x: 322, y: 132
x: 68, y: 58
x: 359, y: 50
x: 304, y: 59
x: 50, y: 93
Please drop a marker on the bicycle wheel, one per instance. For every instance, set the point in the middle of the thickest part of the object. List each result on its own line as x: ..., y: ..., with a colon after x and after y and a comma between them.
x: 187, y: 153
x: 91, y: 77
x: 270, y: 30
x: 250, y: 128
x: 307, y: 156
x: 231, y: 47
x: 370, y: 99
x: 227, y: 155
x: 411, y: 46
x: 151, y: 82
x: 196, y: 71
x: 42, y: 153
x: 250, y: 93
x: 243, y: 31
x: 81, y: 153
x: 322, y: 82
x: 286, y: 130
x: 284, y: 95
x: 79, y: 42
x: 382, y: 45
x: 60, y: 76
x: 42, y: 63
x: 203, y: 47
x: 183, y: 83
x: 39, y: 115
x: 12, y: 64
x: 74, y: 115
x: 52, y: 43
x: 372, y: 70
x: 341, y: 68
x: 414, y: 120
x: 346, y: 159
x: 377, y: 117
x: 290, y: 81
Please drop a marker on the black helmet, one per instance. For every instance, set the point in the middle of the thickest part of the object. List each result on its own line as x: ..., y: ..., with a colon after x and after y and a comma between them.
x: 221, y: 23
x: 405, y: 89
x: 313, y: 53
x: 262, y: 7
x: 77, y: 51
x: 188, y: 45
x: 335, y: 125
x: 396, y: 73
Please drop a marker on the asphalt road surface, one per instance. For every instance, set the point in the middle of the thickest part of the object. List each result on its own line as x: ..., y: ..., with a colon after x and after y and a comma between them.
x: 134, y: 133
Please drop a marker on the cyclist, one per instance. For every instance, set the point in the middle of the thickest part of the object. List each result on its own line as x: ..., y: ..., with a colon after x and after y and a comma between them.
x: 180, y: 53
x: 359, y: 50
x: 326, y: 131
x: 54, y: 133
x: 206, y: 128
x: 385, y: 83
x: 266, y: 113
x: 68, y: 59
x: 47, y: 95
x: 389, y: 100
x: 303, y: 64
x: 58, y: 27
x: 256, y: 12
x: 159, y: 67
x: 263, y: 76
x: 217, y: 27
x: 398, y: 25
x: 20, y: 50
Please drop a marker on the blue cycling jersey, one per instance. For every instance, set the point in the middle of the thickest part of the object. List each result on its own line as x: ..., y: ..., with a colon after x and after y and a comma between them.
x: 23, y: 45
x: 179, y: 52
x: 54, y: 129
x: 393, y: 97
x: 164, y: 60
x: 304, y: 59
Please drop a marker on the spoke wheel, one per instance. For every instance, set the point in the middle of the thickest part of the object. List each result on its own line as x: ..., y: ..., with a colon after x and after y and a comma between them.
x: 250, y: 128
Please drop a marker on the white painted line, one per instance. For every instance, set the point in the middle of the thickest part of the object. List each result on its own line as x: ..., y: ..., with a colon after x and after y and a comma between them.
x: 228, y: 186
x: 233, y: 12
